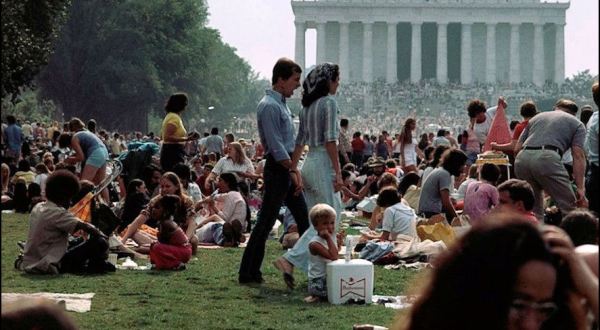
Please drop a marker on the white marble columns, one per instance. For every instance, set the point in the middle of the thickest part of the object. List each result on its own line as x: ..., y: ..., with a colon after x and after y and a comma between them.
x: 344, y: 51
x: 321, y: 46
x: 442, y: 53
x: 465, y: 55
x: 490, y: 53
x: 515, y: 69
x: 559, y: 57
x: 495, y: 40
x: 367, y: 52
x: 392, y: 59
x: 300, y: 41
x: 415, y: 53
x: 538, y: 54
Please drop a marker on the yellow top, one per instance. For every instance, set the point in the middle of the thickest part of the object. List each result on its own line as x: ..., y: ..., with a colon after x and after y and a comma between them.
x: 174, y: 119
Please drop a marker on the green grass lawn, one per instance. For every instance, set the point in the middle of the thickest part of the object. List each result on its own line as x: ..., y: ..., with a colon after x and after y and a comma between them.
x: 204, y: 296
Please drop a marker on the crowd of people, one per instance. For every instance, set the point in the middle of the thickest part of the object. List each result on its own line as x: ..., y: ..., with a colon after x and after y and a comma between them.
x: 179, y: 190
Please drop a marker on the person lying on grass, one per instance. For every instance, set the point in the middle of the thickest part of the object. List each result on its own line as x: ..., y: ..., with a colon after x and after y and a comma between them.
x: 323, y: 249
x: 47, y: 250
x: 173, y: 249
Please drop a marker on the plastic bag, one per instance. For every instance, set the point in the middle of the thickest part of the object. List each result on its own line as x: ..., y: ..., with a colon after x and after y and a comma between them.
x: 440, y: 231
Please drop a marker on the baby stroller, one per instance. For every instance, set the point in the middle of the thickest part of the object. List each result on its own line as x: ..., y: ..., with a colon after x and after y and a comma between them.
x: 90, y: 209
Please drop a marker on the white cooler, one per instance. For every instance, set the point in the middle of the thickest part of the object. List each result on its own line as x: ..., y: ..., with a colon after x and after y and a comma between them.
x: 351, y: 279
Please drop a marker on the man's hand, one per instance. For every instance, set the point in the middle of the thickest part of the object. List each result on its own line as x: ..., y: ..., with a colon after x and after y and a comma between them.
x: 581, y: 199
x: 297, y: 181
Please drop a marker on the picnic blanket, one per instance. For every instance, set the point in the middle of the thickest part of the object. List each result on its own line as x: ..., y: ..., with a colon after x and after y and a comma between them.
x: 74, y: 302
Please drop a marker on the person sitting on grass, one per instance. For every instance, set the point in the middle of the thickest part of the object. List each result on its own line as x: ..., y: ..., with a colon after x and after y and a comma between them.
x: 47, y: 249
x: 234, y: 206
x: 323, y: 249
x: 224, y: 226
x: 482, y: 195
x: 173, y: 249
x: 397, y: 217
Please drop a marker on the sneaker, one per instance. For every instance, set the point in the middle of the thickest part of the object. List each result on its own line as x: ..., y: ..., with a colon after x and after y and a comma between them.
x: 181, y: 266
x: 18, y: 262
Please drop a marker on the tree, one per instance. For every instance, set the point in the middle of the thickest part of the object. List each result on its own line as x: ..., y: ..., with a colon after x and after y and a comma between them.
x: 118, y: 61
x: 28, y: 30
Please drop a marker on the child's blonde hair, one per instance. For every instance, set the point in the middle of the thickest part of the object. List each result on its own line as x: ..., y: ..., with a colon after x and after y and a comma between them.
x: 320, y: 212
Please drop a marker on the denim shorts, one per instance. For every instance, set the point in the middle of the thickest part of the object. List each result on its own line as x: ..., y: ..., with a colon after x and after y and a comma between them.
x: 97, y: 158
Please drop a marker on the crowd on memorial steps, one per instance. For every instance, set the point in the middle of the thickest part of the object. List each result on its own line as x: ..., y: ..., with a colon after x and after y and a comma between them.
x: 523, y: 178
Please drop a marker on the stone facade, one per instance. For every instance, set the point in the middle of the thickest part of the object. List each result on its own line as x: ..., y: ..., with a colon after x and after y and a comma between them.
x: 461, y: 41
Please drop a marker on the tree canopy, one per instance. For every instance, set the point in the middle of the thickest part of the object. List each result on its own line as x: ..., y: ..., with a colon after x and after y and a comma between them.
x: 28, y: 30
x: 118, y: 61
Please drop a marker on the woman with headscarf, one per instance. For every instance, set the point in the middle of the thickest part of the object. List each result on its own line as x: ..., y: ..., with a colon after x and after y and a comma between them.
x: 321, y: 173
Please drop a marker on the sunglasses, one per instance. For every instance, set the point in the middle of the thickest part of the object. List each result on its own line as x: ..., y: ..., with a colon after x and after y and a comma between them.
x: 545, y: 310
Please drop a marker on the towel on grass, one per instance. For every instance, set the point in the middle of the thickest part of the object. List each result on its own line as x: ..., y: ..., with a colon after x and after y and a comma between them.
x: 74, y: 302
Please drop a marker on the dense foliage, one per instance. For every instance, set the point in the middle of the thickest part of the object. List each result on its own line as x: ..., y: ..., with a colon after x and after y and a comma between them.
x: 28, y: 29
x: 118, y: 61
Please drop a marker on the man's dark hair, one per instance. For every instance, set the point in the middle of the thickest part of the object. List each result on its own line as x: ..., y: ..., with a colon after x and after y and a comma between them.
x: 519, y: 190
x: 183, y: 171
x: 512, y: 125
x: 64, y: 140
x: 214, y: 131
x: 284, y: 69
x: 61, y: 186
x: 582, y: 227
x: 475, y: 107
x: 344, y: 122
x: 356, y: 135
x: 10, y: 119
x: 528, y: 109
x: 586, y: 113
x: 388, y: 197
x: 453, y: 161
x: 206, y: 134
x: 490, y: 173
x: 441, y: 132
x: 568, y: 105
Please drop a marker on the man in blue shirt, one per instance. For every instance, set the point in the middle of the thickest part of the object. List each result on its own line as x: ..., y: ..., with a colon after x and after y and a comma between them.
x: 13, y: 137
x: 283, y: 183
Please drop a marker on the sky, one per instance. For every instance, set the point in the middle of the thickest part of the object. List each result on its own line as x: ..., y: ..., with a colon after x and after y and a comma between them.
x: 263, y: 31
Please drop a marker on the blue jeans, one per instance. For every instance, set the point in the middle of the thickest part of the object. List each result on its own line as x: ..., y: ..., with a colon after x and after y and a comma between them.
x: 278, y: 190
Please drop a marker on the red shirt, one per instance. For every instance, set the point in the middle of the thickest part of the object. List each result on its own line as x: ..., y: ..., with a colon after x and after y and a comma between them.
x: 358, y: 145
x: 519, y: 129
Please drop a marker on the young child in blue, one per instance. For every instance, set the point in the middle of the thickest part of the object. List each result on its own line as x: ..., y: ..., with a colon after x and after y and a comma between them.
x: 323, y: 249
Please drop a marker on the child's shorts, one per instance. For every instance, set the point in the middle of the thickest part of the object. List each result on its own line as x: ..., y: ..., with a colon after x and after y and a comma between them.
x: 317, y: 286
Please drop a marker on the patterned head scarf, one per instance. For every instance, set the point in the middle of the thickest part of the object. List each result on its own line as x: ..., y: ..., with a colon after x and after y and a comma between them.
x: 322, y: 73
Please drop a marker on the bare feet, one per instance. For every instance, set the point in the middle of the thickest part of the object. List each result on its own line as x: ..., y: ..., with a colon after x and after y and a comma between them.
x: 287, y: 269
x: 312, y: 299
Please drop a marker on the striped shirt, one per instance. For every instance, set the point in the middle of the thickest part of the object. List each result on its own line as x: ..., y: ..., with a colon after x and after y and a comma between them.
x: 318, y: 123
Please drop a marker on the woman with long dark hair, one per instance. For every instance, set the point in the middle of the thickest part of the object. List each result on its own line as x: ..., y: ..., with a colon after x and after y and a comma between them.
x: 507, y: 274
x: 321, y: 172
x: 169, y: 185
x: 408, y: 146
x: 174, y: 135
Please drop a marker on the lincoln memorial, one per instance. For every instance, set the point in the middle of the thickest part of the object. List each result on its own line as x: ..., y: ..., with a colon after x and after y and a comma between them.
x: 460, y: 41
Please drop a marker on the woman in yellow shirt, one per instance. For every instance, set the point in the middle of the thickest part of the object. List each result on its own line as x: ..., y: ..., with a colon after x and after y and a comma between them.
x: 174, y: 136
